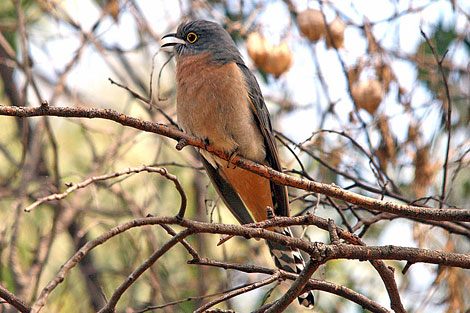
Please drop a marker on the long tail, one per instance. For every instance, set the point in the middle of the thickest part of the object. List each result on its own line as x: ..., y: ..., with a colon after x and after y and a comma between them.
x: 290, y: 260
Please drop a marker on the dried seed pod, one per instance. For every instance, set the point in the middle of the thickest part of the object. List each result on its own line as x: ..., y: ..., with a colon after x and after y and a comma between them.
x: 311, y: 24
x: 272, y: 59
x: 373, y: 46
x: 367, y: 95
x: 388, y: 148
x: 413, y: 133
x: 337, y: 34
x: 424, y: 171
x: 112, y: 7
x: 258, y: 48
x: 385, y: 74
x: 353, y: 74
x: 279, y: 60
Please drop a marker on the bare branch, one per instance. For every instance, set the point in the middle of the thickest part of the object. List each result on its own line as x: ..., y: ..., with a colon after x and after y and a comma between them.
x: 295, y: 289
x: 155, y: 307
x: 110, y: 306
x: 448, y: 116
x: 73, y: 261
x: 16, y: 302
x: 313, y: 284
x: 278, y: 177
x: 318, y: 251
x: 239, y: 291
x: 85, y: 183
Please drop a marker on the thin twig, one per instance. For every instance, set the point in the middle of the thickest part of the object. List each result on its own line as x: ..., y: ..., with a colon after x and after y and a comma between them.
x: 188, y: 247
x: 12, y: 299
x: 145, y: 100
x: 295, y: 289
x: 110, y: 306
x: 75, y: 259
x: 85, y: 183
x: 321, y: 252
x: 239, y: 291
x: 332, y: 230
x: 156, y: 307
x: 448, y: 117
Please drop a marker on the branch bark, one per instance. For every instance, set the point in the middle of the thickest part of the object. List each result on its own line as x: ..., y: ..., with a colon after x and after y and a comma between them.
x: 295, y: 289
x: 318, y: 251
x: 12, y: 299
x: 111, y: 305
x: 278, y: 177
x: 314, y: 284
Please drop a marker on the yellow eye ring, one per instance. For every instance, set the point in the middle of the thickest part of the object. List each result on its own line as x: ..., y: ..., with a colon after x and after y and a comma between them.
x: 191, y: 37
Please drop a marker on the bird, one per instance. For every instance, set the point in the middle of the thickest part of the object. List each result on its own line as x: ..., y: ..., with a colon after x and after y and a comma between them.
x: 218, y: 100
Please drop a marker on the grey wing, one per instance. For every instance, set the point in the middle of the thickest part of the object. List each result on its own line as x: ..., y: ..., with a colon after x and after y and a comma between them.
x: 260, y: 111
x: 228, y: 194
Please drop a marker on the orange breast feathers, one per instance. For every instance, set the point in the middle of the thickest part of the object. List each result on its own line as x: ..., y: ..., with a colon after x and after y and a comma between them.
x: 213, y: 104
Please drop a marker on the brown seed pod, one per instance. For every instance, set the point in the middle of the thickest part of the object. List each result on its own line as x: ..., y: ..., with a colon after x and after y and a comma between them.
x: 385, y: 74
x: 258, y: 48
x: 278, y: 60
x: 311, y: 24
x: 424, y: 171
x: 367, y: 95
x: 112, y: 7
x: 413, y: 133
x: 353, y: 74
x: 373, y: 46
x: 337, y: 34
x: 388, y: 147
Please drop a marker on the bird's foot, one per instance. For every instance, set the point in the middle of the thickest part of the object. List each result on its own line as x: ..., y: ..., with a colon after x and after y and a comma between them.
x: 182, y: 142
x: 233, y: 154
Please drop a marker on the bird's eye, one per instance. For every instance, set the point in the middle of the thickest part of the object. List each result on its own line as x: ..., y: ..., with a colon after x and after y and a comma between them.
x: 191, y: 37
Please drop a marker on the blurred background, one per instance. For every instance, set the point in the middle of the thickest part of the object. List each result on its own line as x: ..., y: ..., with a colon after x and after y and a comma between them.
x: 360, y: 103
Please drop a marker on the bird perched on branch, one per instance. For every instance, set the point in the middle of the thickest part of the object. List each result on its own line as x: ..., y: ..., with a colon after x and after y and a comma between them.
x: 220, y: 101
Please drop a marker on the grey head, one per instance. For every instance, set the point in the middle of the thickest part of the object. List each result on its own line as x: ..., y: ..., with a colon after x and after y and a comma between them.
x: 201, y: 36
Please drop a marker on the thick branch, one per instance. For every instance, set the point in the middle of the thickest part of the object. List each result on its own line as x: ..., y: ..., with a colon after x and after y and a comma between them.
x: 318, y: 251
x: 314, y: 284
x: 16, y: 302
x: 295, y: 289
x: 278, y: 177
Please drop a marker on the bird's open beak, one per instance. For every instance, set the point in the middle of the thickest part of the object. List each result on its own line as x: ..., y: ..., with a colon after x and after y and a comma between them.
x: 174, y: 40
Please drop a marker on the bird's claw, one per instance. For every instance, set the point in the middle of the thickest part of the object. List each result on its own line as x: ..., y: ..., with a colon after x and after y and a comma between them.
x: 233, y: 154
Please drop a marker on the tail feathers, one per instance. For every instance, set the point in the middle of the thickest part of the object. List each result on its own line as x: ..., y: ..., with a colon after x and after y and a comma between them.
x: 290, y: 260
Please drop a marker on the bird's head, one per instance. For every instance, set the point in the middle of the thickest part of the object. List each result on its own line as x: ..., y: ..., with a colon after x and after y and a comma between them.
x: 200, y: 36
